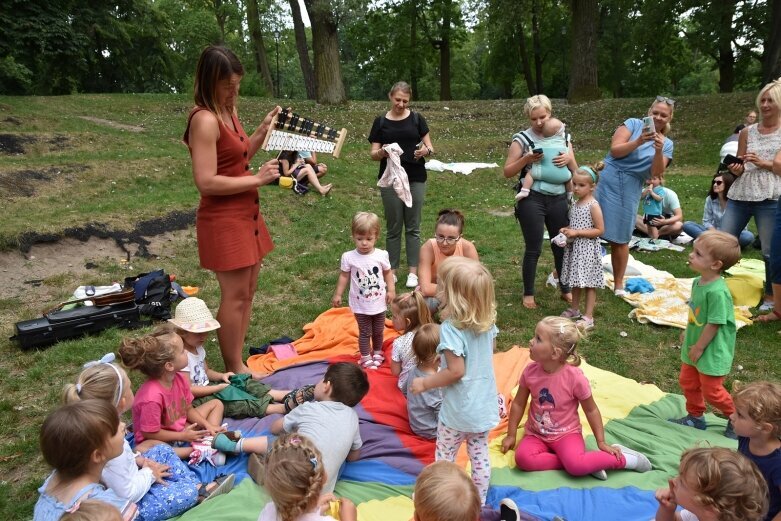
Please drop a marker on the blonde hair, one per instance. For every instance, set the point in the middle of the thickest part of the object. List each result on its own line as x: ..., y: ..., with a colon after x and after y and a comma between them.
x: 667, y: 127
x: 564, y: 335
x: 722, y: 246
x: 92, y: 510
x: 535, y: 102
x: 762, y: 401
x: 101, y: 381
x: 467, y: 291
x: 294, y: 475
x: 425, y: 342
x: 773, y: 89
x: 364, y: 222
x: 443, y: 492
x: 150, y: 353
x: 413, y: 309
x: 725, y: 481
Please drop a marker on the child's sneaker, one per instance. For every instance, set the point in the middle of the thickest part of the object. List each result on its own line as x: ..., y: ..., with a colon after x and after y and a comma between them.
x: 729, y: 432
x: 508, y: 510
x: 367, y: 362
x: 600, y: 475
x: 698, y: 422
x: 585, y: 323
x: 378, y: 357
x: 570, y: 313
x: 635, y: 460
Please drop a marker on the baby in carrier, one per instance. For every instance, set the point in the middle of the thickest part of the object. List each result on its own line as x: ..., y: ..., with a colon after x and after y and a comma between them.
x: 543, y: 172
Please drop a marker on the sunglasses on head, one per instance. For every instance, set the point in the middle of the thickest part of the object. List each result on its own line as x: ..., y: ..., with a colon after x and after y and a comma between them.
x: 718, y: 183
x: 669, y: 101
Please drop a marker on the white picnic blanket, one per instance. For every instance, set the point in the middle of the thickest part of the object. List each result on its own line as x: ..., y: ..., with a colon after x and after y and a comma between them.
x: 459, y: 168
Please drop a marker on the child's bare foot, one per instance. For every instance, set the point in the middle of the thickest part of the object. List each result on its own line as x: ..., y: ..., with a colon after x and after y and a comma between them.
x: 326, y: 189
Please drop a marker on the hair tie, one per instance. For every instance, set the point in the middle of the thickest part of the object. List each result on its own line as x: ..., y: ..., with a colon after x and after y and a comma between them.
x: 571, y: 349
x: 313, y: 461
x: 590, y: 172
x: 561, y: 329
x: 106, y: 360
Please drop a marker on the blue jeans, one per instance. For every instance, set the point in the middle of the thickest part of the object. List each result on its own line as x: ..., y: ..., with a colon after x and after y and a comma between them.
x: 737, y: 216
x: 775, y: 248
x: 694, y: 230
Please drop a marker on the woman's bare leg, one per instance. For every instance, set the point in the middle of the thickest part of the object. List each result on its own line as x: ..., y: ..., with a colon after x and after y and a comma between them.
x: 619, y: 258
x: 237, y: 288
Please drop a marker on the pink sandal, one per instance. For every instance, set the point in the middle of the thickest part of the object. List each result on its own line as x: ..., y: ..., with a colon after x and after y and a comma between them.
x: 571, y: 313
x: 367, y: 362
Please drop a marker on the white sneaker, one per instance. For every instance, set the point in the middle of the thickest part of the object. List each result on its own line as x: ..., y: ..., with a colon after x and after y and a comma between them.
x: 600, y: 474
x: 642, y: 464
x: 621, y: 293
x: 508, y: 510
x: 412, y: 281
x: 767, y: 305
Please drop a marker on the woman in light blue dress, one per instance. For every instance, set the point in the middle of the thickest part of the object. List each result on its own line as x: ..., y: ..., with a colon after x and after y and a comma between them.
x: 635, y: 154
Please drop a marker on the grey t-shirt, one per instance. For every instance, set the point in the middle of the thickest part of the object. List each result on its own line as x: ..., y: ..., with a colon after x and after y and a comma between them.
x: 333, y: 427
x: 423, y: 408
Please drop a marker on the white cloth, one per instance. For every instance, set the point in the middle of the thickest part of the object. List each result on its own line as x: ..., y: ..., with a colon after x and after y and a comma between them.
x: 395, y: 176
x: 81, y: 292
x: 459, y: 168
x: 123, y: 476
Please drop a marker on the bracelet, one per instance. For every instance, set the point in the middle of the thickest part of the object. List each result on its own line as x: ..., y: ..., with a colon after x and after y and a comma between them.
x: 430, y: 152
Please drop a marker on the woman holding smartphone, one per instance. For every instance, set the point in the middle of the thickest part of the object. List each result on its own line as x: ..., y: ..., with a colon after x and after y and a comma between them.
x: 638, y: 150
x: 756, y: 190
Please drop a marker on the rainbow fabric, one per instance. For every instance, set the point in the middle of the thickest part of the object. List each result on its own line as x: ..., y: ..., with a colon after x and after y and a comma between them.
x: 381, y: 483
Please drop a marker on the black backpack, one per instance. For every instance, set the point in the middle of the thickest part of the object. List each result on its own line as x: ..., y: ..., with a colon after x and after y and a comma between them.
x: 153, y: 293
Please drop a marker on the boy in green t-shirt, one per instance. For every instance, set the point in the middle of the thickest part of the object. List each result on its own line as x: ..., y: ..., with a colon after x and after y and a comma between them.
x: 709, y: 341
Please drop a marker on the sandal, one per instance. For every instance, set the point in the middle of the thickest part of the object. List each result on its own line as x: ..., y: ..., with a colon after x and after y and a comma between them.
x: 298, y: 396
x: 773, y: 316
x: 378, y: 357
x: 367, y: 362
x: 585, y: 323
x: 529, y: 304
x: 571, y: 313
x: 221, y: 485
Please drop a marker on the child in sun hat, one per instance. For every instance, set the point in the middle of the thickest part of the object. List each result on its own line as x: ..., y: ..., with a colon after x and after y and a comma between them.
x: 193, y: 322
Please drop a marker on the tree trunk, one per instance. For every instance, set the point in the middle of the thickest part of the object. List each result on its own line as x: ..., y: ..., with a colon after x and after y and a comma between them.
x: 325, y: 44
x: 726, y: 57
x: 303, y: 50
x: 536, y: 47
x: 771, y: 59
x: 583, y: 84
x: 258, y: 47
x: 413, y: 44
x: 526, y: 66
x: 220, y: 19
x: 444, y: 53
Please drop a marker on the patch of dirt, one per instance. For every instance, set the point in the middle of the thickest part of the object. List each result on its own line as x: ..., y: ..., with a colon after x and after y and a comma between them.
x: 22, y: 183
x: 77, y: 250
x: 502, y: 213
x: 17, y: 144
x: 113, y: 124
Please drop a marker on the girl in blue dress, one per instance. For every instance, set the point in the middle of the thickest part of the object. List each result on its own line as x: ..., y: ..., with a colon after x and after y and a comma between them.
x: 636, y: 153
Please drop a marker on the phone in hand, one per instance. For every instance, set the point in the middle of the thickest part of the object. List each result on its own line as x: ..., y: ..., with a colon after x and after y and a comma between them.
x: 537, y: 151
x: 729, y: 159
x: 648, y: 124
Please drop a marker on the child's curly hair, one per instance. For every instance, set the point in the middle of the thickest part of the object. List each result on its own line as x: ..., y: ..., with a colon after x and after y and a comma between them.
x: 444, y: 492
x: 294, y: 475
x: 150, y: 353
x: 726, y: 481
x: 413, y: 309
x: 564, y: 335
x: 762, y: 401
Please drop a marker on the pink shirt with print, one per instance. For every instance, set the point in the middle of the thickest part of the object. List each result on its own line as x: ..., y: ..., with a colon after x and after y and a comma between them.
x: 555, y: 398
x: 157, y: 407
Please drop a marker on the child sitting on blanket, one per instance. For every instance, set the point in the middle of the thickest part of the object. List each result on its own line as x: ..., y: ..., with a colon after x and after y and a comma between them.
x: 410, y: 312
x: 423, y: 408
x: 709, y: 341
x: 154, y: 478
x: 163, y: 409
x: 714, y: 484
x: 192, y: 322
x: 757, y: 422
x: 552, y: 437
x: 294, y: 478
x: 330, y: 421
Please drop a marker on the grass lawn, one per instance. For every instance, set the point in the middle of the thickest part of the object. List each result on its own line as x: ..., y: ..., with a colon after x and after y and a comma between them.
x: 73, y: 171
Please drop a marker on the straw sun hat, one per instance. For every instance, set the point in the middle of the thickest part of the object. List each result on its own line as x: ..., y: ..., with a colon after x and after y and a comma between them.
x: 192, y: 315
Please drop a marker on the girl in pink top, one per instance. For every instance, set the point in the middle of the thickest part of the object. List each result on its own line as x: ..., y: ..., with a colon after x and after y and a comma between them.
x: 552, y: 437
x: 162, y: 408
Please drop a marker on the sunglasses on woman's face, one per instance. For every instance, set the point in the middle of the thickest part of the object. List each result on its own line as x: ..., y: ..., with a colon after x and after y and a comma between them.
x: 669, y: 101
x: 718, y: 183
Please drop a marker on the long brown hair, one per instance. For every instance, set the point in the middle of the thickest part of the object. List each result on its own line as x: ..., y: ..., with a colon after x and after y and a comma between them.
x: 215, y: 65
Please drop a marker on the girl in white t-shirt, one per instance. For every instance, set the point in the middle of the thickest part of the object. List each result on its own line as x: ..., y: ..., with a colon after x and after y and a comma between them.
x: 368, y: 272
x: 410, y: 311
x: 294, y: 479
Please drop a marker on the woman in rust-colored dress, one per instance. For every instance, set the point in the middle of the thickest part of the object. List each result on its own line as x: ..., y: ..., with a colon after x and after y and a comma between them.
x: 232, y: 236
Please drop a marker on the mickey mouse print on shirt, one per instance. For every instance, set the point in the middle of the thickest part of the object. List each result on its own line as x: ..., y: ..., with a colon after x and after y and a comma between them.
x: 367, y: 284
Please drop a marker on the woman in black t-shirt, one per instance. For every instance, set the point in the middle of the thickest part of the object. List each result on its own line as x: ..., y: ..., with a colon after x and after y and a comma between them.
x: 408, y: 129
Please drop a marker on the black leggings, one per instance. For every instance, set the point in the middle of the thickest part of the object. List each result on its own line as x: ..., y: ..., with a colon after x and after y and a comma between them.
x: 535, y: 213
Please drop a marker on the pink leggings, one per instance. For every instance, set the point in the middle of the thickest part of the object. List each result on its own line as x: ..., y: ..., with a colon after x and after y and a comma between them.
x: 568, y: 453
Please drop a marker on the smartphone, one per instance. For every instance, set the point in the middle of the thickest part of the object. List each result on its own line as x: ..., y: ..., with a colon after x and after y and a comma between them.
x: 420, y: 146
x: 729, y: 159
x: 537, y: 151
x: 648, y: 124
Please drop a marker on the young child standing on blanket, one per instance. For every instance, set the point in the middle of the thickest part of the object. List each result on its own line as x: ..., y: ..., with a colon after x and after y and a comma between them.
x: 294, y: 478
x: 77, y: 440
x: 367, y: 269
x: 410, y: 312
x: 423, y: 408
x: 757, y: 422
x: 192, y: 322
x: 465, y: 289
x: 162, y: 409
x: 709, y: 341
x: 582, y: 266
x: 713, y: 484
x: 154, y: 478
x: 552, y: 437
x: 652, y: 198
x: 330, y: 421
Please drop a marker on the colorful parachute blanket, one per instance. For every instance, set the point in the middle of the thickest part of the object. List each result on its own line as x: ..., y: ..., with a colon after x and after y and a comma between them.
x: 668, y: 304
x: 381, y: 483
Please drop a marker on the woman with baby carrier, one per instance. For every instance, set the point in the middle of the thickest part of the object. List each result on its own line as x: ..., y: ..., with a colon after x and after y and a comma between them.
x: 549, y: 159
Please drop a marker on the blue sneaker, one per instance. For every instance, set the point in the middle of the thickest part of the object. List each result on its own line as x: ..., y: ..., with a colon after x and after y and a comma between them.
x: 698, y: 422
x: 729, y: 432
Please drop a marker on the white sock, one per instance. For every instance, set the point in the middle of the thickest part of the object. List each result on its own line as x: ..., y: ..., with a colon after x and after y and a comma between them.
x: 631, y: 461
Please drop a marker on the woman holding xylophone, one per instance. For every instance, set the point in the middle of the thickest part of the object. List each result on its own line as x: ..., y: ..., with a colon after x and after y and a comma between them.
x: 232, y: 236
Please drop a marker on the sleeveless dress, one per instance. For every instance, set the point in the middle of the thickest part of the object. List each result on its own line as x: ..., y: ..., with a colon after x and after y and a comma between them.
x: 758, y: 184
x: 583, y: 257
x: 230, y: 228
